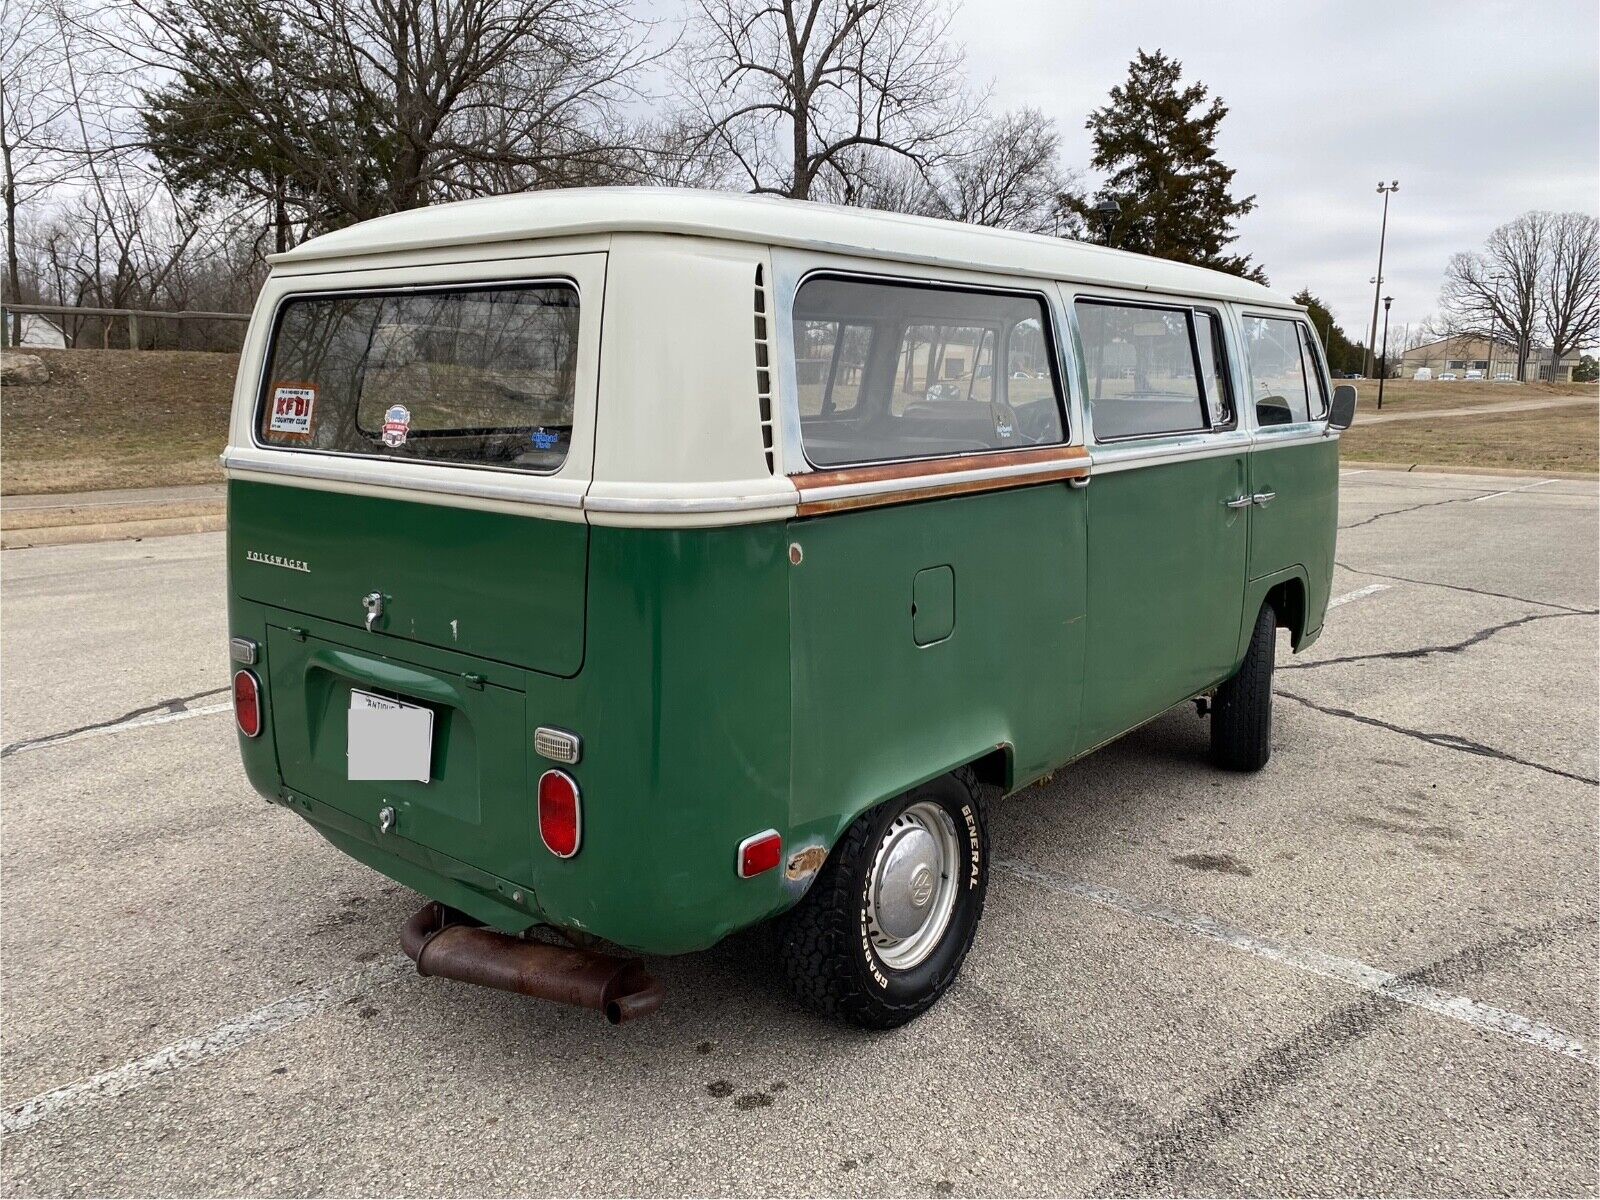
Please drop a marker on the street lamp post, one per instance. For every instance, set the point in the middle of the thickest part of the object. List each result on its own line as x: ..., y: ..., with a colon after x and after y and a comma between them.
x: 1384, y: 189
x: 1488, y: 375
x: 1383, y: 372
x: 1108, y: 210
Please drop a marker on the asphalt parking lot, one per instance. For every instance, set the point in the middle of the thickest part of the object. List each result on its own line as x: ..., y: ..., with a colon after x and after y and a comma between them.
x: 1370, y: 968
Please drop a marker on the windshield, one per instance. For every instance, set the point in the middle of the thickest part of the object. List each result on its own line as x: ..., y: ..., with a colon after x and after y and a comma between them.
x: 480, y: 376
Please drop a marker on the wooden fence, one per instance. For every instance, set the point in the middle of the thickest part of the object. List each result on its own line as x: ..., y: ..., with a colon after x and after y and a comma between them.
x: 135, y: 318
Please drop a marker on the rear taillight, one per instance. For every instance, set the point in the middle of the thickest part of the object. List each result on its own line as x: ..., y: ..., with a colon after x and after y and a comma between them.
x: 560, y: 813
x: 247, y: 703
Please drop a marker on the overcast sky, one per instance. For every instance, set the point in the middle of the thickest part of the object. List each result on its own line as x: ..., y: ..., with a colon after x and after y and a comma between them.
x: 1481, y: 110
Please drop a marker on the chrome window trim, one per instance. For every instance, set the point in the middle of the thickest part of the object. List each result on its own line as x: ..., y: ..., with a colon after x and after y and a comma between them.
x: 792, y: 424
x: 1299, y: 319
x: 288, y: 297
x: 1166, y: 304
x: 418, y: 476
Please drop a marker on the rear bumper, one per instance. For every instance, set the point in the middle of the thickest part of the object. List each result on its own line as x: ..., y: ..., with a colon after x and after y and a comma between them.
x: 512, y: 907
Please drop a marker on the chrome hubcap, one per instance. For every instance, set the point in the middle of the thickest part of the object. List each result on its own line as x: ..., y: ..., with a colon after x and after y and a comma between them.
x: 912, y: 892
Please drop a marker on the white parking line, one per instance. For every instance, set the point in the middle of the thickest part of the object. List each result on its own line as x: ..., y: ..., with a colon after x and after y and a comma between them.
x: 1527, y: 487
x: 1328, y: 966
x: 1359, y: 593
x: 205, y: 710
x: 191, y: 1051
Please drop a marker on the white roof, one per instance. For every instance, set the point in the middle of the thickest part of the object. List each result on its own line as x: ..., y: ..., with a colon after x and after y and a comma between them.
x: 768, y: 220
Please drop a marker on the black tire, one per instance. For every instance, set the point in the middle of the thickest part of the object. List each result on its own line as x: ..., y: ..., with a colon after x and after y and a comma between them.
x: 1241, y: 714
x: 828, y: 955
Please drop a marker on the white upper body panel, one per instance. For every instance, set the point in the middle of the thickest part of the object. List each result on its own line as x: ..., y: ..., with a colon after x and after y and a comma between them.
x: 677, y: 286
x: 766, y: 221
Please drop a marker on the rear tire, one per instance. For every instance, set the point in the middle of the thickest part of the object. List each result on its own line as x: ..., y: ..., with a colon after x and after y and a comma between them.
x: 862, y: 945
x: 1241, y: 714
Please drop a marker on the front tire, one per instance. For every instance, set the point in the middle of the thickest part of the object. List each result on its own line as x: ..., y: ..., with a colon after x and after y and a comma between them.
x: 884, y: 930
x: 1241, y: 714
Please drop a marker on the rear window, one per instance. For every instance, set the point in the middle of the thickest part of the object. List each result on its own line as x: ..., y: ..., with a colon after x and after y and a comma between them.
x: 889, y: 371
x: 476, y: 377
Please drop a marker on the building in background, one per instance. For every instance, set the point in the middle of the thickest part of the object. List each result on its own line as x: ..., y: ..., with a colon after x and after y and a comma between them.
x: 1462, y: 355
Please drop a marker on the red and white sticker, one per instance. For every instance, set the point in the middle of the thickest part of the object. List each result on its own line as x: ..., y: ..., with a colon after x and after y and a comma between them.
x: 292, y: 406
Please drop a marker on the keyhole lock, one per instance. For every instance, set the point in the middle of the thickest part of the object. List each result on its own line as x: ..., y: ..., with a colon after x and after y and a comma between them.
x: 386, y: 819
x: 373, y: 603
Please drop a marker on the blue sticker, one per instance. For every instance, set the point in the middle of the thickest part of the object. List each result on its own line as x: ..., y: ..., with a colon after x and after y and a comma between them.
x: 543, y: 439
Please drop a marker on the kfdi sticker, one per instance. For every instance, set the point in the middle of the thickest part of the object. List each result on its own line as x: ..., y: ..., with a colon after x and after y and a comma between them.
x: 292, y: 406
x: 396, y: 425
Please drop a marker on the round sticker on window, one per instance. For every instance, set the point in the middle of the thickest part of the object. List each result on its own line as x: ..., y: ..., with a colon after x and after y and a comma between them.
x: 396, y: 425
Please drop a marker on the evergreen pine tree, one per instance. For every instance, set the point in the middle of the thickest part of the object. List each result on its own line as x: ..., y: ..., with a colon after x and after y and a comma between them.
x: 1155, y: 142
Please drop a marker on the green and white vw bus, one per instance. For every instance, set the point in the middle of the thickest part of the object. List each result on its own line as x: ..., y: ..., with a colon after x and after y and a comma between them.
x: 632, y: 566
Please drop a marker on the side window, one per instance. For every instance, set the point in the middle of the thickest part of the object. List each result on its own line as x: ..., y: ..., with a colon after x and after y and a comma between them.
x: 1214, y: 367
x: 1318, y: 388
x: 1278, y: 381
x: 1141, y: 367
x: 889, y: 371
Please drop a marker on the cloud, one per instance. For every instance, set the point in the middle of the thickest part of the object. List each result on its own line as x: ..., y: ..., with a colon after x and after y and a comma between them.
x: 1482, y: 110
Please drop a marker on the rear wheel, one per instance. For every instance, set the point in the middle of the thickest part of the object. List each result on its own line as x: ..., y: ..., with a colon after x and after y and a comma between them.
x: 1241, y: 714
x: 883, y: 932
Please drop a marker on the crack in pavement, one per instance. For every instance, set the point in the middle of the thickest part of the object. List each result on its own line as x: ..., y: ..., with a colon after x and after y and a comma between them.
x: 1448, y: 741
x: 1395, y: 512
x: 1482, y: 635
x: 1163, y: 1158
x: 176, y: 704
x: 1461, y: 587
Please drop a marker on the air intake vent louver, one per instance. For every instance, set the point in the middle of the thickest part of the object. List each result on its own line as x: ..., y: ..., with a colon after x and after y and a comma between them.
x: 764, y: 370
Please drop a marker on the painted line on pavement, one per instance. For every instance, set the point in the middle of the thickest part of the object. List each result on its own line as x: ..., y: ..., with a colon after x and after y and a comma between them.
x: 191, y: 1051
x: 205, y: 710
x: 1329, y: 966
x: 1359, y: 594
x: 1509, y: 491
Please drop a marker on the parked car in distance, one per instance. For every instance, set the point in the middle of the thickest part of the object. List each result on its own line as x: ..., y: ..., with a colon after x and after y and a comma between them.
x: 1448, y: 377
x: 1474, y: 375
x: 1423, y: 375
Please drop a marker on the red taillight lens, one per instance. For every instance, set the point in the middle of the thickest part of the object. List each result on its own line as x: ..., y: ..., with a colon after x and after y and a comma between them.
x: 247, y: 703
x: 560, y: 813
x: 759, y: 853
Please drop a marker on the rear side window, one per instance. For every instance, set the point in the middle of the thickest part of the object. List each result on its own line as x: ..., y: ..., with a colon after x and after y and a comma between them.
x: 888, y: 371
x: 1144, y: 369
x: 477, y: 377
x: 1285, y: 374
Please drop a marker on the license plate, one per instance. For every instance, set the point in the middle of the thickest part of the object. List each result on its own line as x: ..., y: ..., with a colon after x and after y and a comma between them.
x: 388, y: 739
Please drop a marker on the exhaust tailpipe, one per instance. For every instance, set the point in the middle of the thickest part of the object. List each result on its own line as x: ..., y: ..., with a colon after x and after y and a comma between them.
x: 442, y: 943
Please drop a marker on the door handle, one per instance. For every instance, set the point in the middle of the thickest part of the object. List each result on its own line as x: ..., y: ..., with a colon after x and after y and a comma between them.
x: 1263, y: 498
x: 1239, y: 502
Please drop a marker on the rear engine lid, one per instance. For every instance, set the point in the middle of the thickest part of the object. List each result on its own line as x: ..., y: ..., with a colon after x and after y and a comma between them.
x: 473, y: 806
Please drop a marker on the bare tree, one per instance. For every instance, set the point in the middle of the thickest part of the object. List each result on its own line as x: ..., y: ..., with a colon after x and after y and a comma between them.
x: 1007, y: 176
x: 1498, y: 290
x: 343, y: 110
x: 1569, y: 293
x: 34, y: 105
x: 805, y: 96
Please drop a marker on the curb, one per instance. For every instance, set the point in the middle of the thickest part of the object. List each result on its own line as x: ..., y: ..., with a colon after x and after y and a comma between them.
x: 1462, y: 469
x: 114, y: 531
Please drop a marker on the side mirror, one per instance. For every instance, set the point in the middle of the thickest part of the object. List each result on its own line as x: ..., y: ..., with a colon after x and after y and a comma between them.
x: 1342, y: 411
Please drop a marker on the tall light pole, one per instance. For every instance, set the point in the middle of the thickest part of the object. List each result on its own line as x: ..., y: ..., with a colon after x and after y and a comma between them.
x: 1383, y: 371
x: 1488, y: 375
x: 1384, y: 189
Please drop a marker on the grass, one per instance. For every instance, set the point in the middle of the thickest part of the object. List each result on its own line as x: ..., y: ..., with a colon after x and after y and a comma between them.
x: 116, y: 419
x: 1407, y: 395
x: 1546, y: 439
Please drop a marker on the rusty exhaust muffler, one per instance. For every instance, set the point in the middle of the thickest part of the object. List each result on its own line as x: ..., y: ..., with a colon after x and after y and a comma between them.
x: 441, y: 942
